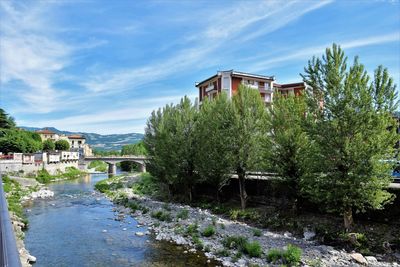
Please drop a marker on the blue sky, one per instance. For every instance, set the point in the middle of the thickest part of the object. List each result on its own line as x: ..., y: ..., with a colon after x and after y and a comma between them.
x: 103, y: 66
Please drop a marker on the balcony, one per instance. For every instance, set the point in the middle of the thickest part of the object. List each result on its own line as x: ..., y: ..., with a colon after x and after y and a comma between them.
x: 210, y: 88
x: 264, y: 89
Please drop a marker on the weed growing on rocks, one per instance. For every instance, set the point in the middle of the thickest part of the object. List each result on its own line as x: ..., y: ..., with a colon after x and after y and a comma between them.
x: 208, y: 231
x: 291, y: 256
x: 183, y: 214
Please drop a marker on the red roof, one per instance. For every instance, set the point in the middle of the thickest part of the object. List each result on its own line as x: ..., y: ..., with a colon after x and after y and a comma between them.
x: 76, y: 136
x: 45, y: 131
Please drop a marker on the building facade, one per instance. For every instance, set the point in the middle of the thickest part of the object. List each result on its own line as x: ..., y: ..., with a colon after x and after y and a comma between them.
x: 229, y: 82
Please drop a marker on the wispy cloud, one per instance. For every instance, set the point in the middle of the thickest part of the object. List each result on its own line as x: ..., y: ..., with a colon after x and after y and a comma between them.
x: 272, y: 62
x: 32, y: 55
x: 222, y: 27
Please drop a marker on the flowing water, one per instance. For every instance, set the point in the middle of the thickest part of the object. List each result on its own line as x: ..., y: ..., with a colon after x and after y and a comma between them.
x: 77, y: 228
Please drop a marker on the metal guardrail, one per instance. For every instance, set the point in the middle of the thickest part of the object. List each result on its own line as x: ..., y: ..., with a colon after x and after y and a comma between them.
x: 9, y: 256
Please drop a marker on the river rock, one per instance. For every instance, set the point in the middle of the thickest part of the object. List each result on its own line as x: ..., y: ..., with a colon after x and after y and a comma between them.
x: 139, y: 233
x: 371, y: 259
x: 104, y: 231
x: 308, y: 235
x: 359, y: 258
x: 31, y: 259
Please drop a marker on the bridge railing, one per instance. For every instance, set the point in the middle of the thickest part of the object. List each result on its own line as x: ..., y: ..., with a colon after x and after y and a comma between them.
x: 9, y: 256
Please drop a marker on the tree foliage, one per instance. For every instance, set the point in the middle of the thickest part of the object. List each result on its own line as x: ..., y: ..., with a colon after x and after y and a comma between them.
x: 250, y: 131
x: 215, y: 133
x: 287, y: 140
x: 19, y: 141
x: 137, y: 149
x: 6, y: 121
x: 169, y: 140
x: 62, y: 145
x: 353, y: 135
x: 48, y: 145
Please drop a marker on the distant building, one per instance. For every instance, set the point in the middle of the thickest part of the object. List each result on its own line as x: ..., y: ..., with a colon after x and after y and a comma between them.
x: 69, y: 155
x: 47, y: 134
x: 229, y: 81
x: 76, y: 142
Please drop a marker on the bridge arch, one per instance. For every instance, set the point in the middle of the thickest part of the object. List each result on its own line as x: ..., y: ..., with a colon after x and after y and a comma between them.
x: 113, y: 160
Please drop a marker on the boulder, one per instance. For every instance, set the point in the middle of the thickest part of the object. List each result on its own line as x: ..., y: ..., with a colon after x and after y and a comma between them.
x: 359, y: 258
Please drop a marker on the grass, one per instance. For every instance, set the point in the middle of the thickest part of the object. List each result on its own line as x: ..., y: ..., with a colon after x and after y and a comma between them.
x: 146, y: 185
x: 257, y: 232
x: 253, y: 249
x: 192, y: 229
x: 208, y: 231
x: 161, y: 216
x: 183, y: 214
x: 98, y: 165
x: 291, y: 256
x: 44, y: 177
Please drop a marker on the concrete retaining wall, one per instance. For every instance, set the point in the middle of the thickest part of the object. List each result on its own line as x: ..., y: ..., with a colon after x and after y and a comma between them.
x: 7, y: 166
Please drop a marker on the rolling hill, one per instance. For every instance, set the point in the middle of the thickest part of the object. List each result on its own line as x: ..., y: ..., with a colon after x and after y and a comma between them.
x: 99, y: 141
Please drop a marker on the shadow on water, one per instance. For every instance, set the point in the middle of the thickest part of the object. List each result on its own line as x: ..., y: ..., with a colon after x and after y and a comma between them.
x: 77, y: 228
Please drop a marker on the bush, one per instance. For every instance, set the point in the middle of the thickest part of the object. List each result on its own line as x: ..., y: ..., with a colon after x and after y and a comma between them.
x: 162, y: 216
x: 197, y: 242
x: 102, y: 186
x: 223, y: 253
x: 183, y: 214
x: 44, y: 177
x: 244, y: 214
x: 208, y: 231
x: 253, y: 249
x: 257, y: 232
x: 192, y: 229
x: 235, y: 242
x: 146, y: 185
x: 291, y: 256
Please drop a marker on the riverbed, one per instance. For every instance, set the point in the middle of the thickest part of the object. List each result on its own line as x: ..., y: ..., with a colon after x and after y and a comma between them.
x: 77, y: 227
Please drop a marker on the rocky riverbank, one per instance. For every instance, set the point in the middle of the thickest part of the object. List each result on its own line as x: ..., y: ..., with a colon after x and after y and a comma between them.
x: 23, y: 190
x: 187, y: 226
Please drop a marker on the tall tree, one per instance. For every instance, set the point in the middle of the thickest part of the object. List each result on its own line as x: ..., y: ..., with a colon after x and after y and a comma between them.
x: 6, y: 121
x: 250, y: 130
x: 353, y: 135
x: 215, y: 133
x: 169, y: 140
x: 287, y: 140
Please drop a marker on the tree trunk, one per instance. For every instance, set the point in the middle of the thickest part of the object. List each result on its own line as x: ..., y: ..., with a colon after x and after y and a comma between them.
x: 190, y: 194
x: 217, y: 195
x: 242, y: 188
x: 348, y: 219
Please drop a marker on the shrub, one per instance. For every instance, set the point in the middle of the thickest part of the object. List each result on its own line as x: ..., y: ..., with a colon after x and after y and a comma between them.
x: 291, y: 256
x: 183, y: 214
x: 197, y: 242
x: 244, y: 214
x: 236, y: 242
x: 43, y: 176
x: 102, y: 186
x: 257, y: 232
x: 253, y: 249
x: 192, y: 229
x: 208, y: 231
x: 223, y: 252
x: 162, y: 216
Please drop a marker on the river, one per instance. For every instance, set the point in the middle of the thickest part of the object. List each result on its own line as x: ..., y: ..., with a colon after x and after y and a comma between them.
x: 77, y: 228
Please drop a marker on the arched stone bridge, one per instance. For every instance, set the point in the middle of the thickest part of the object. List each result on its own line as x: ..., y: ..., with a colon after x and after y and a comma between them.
x: 113, y: 160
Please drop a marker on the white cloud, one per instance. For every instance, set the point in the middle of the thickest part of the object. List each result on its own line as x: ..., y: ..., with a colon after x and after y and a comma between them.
x: 223, y: 26
x: 271, y: 62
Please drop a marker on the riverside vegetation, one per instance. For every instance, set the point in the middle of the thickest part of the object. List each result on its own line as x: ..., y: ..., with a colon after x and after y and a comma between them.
x: 217, y: 236
x: 333, y: 145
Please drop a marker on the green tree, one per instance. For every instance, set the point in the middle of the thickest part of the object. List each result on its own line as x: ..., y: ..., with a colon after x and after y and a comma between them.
x: 62, y: 145
x: 250, y: 131
x: 215, y: 135
x: 287, y: 140
x: 353, y: 135
x: 6, y: 121
x: 19, y: 141
x: 169, y: 140
x: 137, y: 149
x: 48, y: 145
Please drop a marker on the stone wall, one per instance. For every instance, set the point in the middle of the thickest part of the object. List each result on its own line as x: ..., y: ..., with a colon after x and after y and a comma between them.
x: 7, y: 166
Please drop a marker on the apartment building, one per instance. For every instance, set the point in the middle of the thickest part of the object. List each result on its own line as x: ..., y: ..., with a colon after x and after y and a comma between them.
x: 229, y: 81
